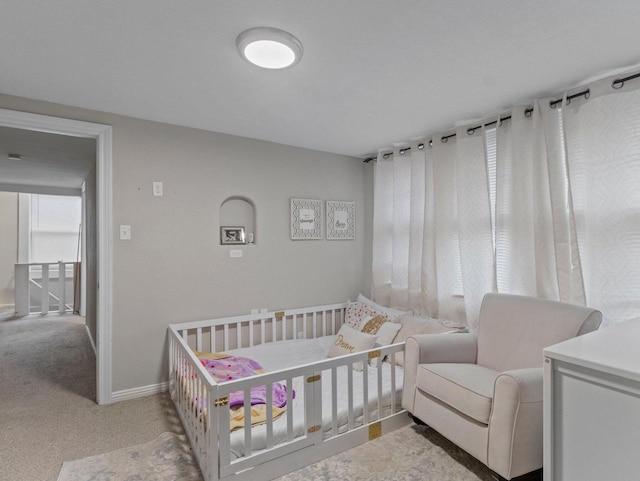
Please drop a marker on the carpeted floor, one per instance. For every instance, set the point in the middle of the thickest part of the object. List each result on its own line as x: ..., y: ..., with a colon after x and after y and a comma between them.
x: 48, y: 416
x: 48, y: 413
x: 408, y: 454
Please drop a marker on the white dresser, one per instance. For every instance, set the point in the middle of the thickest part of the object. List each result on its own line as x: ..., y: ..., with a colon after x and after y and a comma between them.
x: 592, y: 406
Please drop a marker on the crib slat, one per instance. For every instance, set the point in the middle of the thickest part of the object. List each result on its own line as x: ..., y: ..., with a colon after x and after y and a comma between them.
x: 393, y: 382
x: 238, y: 335
x: 324, y: 323
x: 269, y: 405
x: 247, y: 422
x: 284, y: 328
x: 224, y: 434
x: 350, y: 396
x: 185, y: 334
x: 250, y: 333
x: 304, y: 325
x: 199, y: 339
x: 289, y: 409
x: 212, y: 335
x: 274, y: 325
x: 226, y: 337
x: 315, y: 329
x: 365, y: 391
x: 379, y: 372
x: 262, y: 331
x: 334, y: 401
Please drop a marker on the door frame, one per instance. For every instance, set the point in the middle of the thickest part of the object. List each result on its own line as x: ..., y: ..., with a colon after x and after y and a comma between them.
x: 103, y: 136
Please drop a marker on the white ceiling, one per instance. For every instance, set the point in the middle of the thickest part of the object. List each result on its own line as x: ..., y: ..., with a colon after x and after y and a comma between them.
x: 58, y: 163
x: 374, y: 72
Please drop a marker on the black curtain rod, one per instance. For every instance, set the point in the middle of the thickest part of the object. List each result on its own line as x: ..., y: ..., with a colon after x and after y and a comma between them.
x: 470, y: 131
x: 616, y: 84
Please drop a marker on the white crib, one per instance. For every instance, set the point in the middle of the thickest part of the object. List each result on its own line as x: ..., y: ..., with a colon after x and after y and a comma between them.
x: 335, y: 406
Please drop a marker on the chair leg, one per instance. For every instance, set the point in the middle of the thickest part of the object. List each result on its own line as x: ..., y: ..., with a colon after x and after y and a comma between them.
x: 417, y: 420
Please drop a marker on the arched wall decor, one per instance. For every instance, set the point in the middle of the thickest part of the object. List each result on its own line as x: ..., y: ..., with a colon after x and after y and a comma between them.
x: 238, y: 212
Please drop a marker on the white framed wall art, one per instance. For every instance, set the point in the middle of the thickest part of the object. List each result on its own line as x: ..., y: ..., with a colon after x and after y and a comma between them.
x: 341, y: 220
x: 306, y: 219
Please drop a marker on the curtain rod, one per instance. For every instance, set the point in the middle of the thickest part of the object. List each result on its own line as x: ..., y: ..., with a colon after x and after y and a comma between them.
x: 616, y: 84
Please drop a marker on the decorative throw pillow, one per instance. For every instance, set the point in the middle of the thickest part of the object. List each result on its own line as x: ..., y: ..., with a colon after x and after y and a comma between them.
x: 357, y: 312
x: 348, y: 341
x: 384, y: 330
x: 412, y: 325
x: 370, y: 325
x: 391, y: 312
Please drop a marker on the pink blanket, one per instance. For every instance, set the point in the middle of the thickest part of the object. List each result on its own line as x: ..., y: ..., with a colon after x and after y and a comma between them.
x: 232, y: 367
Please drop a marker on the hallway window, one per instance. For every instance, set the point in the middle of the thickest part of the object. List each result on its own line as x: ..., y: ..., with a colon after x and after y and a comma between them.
x: 54, y: 228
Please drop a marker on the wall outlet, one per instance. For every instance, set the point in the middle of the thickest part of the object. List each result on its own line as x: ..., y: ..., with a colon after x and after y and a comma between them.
x: 157, y: 189
x: 235, y: 253
x: 125, y: 232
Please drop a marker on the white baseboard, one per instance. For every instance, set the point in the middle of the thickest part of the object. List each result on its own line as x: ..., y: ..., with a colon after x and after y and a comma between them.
x: 141, y: 391
x: 93, y: 344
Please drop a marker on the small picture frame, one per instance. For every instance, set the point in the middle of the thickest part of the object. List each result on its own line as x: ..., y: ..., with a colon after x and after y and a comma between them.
x: 232, y: 235
x: 306, y: 219
x: 341, y: 220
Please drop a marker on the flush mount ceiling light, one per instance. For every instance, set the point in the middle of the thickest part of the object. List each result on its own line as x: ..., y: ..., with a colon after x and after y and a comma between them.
x: 269, y: 48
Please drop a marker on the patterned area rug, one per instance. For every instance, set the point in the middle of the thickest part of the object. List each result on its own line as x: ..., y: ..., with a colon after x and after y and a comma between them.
x: 166, y: 458
x: 411, y: 453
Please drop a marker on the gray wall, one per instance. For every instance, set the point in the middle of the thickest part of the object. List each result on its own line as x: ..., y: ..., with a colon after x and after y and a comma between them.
x: 8, y: 246
x: 174, y: 269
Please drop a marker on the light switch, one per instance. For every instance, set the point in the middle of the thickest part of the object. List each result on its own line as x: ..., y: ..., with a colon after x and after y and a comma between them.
x: 157, y: 189
x: 235, y: 253
x: 125, y: 232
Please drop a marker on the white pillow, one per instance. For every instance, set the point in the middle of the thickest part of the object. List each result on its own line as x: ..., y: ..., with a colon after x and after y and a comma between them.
x: 348, y: 341
x: 387, y: 310
x: 387, y: 333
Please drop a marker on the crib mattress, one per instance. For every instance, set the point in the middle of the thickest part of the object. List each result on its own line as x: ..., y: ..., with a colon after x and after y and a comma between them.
x: 286, y: 354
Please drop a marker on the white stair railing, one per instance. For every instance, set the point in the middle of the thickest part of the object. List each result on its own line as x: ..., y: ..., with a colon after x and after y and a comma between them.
x: 24, y: 279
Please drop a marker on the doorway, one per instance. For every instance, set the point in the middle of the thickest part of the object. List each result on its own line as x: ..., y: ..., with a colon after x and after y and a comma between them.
x: 102, y: 288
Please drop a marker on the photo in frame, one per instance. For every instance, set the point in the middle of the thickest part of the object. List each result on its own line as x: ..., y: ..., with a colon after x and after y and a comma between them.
x: 341, y: 220
x: 306, y: 219
x: 232, y: 235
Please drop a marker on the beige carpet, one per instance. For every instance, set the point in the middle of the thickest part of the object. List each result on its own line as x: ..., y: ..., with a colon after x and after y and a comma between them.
x: 48, y: 416
x: 48, y: 413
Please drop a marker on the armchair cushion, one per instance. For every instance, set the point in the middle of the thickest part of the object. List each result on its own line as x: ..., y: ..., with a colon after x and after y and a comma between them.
x: 465, y: 387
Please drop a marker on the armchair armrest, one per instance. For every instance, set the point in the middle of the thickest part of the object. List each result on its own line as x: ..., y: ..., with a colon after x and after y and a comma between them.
x: 515, y: 426
x: 433, y: 348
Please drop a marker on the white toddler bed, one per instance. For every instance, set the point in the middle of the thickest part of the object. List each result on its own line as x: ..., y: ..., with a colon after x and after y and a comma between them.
x: 325, y: 413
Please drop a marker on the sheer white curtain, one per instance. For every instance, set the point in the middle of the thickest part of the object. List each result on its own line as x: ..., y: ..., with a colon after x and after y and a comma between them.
x: 536, y: 245
x: 433, y: 247
x: 398, y: 228
x: 603, y: 151
x: 545, y: 204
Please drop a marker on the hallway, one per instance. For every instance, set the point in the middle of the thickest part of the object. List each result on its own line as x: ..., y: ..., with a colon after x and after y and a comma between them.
x: 48, y: 413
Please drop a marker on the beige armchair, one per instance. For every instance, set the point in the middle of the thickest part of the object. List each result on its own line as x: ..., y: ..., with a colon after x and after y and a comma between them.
x: 484, y: 392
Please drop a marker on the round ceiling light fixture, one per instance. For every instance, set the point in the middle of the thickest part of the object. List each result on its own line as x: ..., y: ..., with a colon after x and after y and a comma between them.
x: 269, y: 48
